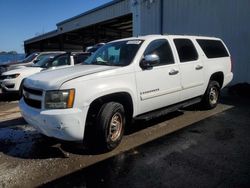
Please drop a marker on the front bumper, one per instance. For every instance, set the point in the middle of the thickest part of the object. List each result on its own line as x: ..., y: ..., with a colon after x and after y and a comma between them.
x: 10, y: 85
x: 64, y: 124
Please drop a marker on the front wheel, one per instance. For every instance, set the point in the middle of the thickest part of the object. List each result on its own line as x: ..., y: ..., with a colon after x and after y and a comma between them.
x: 211, y: 96
x: 110, y: 124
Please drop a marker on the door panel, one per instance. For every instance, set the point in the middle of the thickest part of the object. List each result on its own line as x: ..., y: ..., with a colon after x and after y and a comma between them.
x: 191, y: 67
x: 157, y: 88
x: 192, y: 79
x: 160, y: 85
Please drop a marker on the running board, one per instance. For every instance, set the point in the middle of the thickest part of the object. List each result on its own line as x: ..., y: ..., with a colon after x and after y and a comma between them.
x: 163, y: 111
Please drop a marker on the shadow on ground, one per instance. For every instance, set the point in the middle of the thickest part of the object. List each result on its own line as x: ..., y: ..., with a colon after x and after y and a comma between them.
x: 211, y: 153
x: 12, y: 123
x: 23, y: 141
x: 17, y: 139
x: 8, y: 97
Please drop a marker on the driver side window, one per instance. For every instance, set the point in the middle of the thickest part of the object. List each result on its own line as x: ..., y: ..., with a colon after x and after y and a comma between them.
x: 161, y: 48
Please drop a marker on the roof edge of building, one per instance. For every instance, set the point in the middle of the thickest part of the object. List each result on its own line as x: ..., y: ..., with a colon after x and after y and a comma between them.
x: 45, y: 35
x: 90, y: 11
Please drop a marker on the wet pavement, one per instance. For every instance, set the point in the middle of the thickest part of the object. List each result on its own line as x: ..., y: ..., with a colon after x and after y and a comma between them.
x: 214, y: 152
x: 207, y: 149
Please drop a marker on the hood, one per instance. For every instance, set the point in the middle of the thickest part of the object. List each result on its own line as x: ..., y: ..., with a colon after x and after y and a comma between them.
x: 13, y: 64
x: 24, y: 70
x: 8, y: 63
x: 20, y: 64
x: 12, y: 67
x: 53, y: 79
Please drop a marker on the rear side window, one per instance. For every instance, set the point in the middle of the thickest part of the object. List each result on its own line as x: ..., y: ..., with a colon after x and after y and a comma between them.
x: 161, y: 48
x: 213, y: 48
x: 186, y: 50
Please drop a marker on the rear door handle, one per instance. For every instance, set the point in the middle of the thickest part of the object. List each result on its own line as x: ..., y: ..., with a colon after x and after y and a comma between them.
x: 199, y: 67
x: 173, y: 72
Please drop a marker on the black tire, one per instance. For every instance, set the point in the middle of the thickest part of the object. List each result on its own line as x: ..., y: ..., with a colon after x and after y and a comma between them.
x: 110, y: 124
x: 211, y: 97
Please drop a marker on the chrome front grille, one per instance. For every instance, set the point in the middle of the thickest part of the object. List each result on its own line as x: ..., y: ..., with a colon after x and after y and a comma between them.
x: 33, y: 91
x: 33, y: 97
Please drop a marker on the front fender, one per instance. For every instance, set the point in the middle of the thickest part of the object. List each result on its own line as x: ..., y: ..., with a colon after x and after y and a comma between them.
x: 89, y: 90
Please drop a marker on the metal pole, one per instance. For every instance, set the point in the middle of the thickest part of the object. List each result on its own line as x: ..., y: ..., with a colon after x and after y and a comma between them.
x: 161, y: 17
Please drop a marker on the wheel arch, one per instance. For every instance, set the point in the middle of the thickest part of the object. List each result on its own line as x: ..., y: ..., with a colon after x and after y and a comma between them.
x: 217, y: 76
x: 123, y: 98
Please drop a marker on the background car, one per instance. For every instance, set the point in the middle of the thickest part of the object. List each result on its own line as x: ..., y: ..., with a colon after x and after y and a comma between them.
x: 28, y: 61
x: 11, y: 81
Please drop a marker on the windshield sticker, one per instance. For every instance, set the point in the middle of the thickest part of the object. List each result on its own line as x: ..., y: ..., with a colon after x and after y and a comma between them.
x: 134, y: 42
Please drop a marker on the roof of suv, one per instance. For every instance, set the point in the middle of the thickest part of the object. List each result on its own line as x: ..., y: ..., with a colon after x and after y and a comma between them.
x: 50, y: 52
x: 146, y: 37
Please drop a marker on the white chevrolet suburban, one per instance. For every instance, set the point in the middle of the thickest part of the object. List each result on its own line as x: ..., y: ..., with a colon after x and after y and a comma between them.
x: 126, y: 79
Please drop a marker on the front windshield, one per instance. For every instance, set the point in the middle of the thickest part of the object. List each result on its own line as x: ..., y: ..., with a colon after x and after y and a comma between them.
x: 43, y: 62
x: 40, y: 57
x: 29, y: 58
x: 115, y: 54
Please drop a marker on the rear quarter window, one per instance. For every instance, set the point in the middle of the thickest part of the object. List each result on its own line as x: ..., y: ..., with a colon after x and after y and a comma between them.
x: 186, y: 50
x: 213, y: 48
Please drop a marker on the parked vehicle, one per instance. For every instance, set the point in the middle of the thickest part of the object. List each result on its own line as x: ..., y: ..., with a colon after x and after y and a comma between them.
x: 12, y: 81
x: 126, y: 79
x: 28, y: 61
x: 7, y: 65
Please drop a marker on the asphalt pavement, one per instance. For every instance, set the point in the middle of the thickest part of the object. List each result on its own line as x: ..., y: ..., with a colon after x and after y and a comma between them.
x: 189, y: 148
x: 214, y: 152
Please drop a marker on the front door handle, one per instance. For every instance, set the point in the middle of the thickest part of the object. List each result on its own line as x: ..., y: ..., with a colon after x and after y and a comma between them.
x: 173, y: 72
x: 198, y: 67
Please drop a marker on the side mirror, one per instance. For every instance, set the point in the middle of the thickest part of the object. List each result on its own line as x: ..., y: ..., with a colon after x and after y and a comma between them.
x: 149, y: 61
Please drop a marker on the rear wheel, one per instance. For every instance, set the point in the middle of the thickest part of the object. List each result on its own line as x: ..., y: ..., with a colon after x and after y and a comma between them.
x: 211, y: 96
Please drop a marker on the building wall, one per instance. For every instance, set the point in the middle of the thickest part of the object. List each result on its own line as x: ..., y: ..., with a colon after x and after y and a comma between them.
x: 226, y: 19
x: 119, y: 9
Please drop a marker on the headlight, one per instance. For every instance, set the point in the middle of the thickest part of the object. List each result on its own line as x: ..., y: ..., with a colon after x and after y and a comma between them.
x: 11, y: 76
x: 59, y: 99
